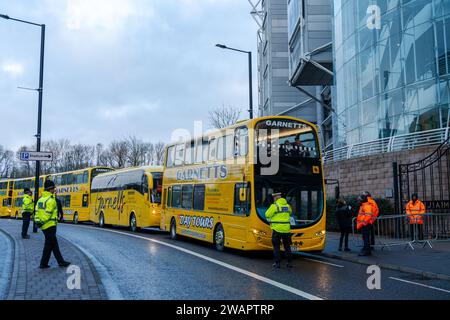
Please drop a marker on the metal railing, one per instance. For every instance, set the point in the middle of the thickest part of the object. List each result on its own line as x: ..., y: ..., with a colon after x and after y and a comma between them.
x: 395, y: 143
x: 397, y: 230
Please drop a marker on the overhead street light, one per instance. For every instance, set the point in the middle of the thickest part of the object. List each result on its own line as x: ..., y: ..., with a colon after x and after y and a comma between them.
x: 250, y: 74
x: 40, y: 91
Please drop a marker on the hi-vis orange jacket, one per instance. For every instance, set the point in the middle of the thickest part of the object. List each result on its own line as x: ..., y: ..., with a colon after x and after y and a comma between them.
x: 376, y: 210
x: 365, y: 216
x: 415, y: 212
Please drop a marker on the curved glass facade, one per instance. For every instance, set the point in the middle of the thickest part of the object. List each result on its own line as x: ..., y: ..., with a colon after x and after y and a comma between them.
x: 392, y: 80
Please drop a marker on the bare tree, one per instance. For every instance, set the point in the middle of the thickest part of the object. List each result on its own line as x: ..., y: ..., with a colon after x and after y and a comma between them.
x: 6, y: 162
x: 159, y: 153
x: 224, y: 117
x: 150, y: 154
x: 137, y: 151
x: 118, y: 153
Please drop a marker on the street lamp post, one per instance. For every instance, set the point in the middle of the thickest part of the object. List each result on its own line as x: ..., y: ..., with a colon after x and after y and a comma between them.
x: 40, y: 90
x: 250, y: 74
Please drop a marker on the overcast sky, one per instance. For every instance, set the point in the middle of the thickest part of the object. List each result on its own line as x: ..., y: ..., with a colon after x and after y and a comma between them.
x: 116, y: 68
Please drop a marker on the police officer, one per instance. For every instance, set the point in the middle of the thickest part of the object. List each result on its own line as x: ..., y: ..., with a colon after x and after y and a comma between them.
x: 364, y: 223
x: 46, y: 217
x: 27, y: 212
x: 279, y: 216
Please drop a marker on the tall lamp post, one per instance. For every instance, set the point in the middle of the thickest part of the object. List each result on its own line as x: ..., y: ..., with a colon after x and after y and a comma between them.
x: 250, y: 72
x: 40, y: 90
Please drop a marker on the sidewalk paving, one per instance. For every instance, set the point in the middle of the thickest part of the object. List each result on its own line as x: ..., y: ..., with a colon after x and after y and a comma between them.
x: 28, y: 282
x: 427, y: 262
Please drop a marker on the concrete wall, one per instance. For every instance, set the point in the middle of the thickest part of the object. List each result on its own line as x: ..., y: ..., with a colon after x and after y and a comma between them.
x: 373, y: 173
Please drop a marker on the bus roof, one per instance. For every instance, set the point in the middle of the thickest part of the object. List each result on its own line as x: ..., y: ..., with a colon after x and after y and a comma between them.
x: 148, y: 169
x: 77, y: 171
x: 249, y: 123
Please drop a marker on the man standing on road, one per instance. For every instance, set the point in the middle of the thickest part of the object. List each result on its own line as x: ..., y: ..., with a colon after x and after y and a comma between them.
x: 376, y: 213
x: 364, y: 221
x: 279, y: 216
x: 27, y: 212
x: 415, y: 210
x: 47, y: 219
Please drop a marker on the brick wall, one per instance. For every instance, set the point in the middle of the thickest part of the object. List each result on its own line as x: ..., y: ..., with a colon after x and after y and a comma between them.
x: 372, y: 173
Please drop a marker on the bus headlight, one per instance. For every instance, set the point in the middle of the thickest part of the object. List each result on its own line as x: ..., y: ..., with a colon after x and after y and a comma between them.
x: 259, y: 233
x: 320, y: 233
x: 154, y: 211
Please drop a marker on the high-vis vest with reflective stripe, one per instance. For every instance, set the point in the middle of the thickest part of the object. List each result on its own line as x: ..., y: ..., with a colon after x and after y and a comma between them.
x: 279, y: 215
x: 365, y: 216
x: 27, y: 204
x: 415, y: 212
x: 46, y: 211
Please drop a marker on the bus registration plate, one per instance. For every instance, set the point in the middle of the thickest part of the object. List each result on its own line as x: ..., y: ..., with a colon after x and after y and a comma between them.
x: 294, y: 248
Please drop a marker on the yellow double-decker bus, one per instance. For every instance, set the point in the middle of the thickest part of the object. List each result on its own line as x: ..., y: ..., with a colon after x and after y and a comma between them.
x: 6, y: 196
x: 217, y: 188
x: 17, y: 194
x: 73, y: 190
x: 128, y: 197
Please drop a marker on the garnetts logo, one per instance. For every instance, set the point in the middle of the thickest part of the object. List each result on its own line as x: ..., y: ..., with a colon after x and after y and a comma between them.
x: 203, y: 173
x: 285, y: 124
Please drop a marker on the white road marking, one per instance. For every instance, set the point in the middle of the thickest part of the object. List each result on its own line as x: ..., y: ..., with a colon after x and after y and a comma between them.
x: 327, y: 263
x: 420, y: 284
x: 225, y: 265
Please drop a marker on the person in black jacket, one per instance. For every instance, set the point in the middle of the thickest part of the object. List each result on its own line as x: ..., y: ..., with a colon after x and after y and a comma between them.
x: 344, y: 218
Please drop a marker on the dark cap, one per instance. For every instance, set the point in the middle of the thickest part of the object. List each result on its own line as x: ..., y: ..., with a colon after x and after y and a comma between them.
x: 26, y: 190
x: 49, y: 184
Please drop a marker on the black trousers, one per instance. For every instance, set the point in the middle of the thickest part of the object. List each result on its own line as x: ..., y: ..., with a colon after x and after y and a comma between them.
x: 26, y: 217
x: 366, y: 233
x: 51, y: 245
x: 372, y: 235
x: 344, y: 236
x: 276, y: 241
x: 413, y: 228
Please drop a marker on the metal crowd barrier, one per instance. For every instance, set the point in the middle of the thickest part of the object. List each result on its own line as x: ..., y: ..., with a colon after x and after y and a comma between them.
x: 396, y: 230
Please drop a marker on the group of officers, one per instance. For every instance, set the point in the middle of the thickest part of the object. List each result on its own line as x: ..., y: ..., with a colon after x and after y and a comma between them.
x: 279, y: 216
x: 46, y: 214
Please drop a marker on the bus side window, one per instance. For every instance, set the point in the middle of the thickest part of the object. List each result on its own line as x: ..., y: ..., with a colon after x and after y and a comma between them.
x: 242, y: 199
x: 176, y: 197
x: 199, y: 198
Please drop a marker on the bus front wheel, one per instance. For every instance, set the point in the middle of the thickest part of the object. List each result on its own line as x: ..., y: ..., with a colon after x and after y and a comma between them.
x: 75, y: 218
x: 219, y: 238
x: 101, y: 221
x: 173, y: 229
x: 133, y: 223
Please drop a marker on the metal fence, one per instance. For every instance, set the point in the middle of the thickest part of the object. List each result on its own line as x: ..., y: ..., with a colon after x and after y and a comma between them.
x: 396, y: 230
x: 391, y: 144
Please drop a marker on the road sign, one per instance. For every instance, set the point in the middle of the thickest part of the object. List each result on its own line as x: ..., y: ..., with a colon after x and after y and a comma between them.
x: 36, y: 156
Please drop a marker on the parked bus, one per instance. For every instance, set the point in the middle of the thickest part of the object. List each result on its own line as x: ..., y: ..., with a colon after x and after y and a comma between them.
x: 73, y: 190
x: 218, y: 187
x: 128, y: 197
x: 6, y: 194
x: 17, y: 194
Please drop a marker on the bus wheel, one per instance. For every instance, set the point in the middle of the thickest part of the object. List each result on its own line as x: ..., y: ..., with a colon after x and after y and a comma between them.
x: 101, y: 220
x: 75, y: 218
x: 173, y: 229
x: 219, y: 238
x: 133, y: 223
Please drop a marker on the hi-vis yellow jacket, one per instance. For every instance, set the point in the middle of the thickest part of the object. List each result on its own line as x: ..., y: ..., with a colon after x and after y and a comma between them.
x: 279, y: 216
x: 46, y: 211
x: 27, y: 204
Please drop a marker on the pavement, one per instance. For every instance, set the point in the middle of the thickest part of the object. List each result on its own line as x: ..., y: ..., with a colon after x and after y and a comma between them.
x: 424, y: 261
x: 23, y: 280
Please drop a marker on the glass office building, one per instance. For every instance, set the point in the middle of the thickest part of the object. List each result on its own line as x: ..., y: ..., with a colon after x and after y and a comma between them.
x: 393, y: 78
